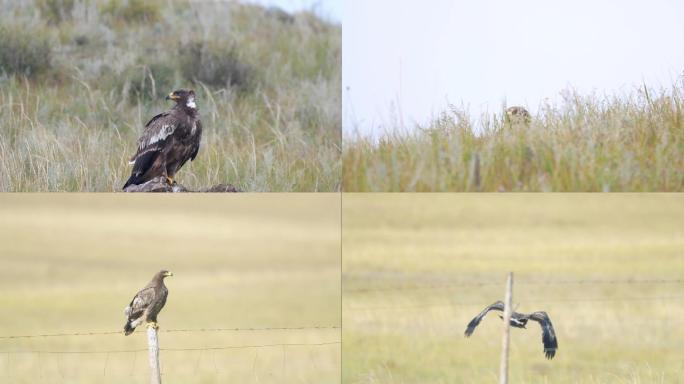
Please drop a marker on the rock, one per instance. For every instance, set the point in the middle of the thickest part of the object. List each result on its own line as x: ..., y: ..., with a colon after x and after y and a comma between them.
x: 159, y: 184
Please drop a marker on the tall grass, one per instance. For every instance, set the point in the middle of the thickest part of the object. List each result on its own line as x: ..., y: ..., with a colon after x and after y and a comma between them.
x: 582, y: 143
x: 268, y: 93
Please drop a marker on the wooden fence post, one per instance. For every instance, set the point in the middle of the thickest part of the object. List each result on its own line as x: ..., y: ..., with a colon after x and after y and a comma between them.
x: 153, y: 346
x: 508, y: 309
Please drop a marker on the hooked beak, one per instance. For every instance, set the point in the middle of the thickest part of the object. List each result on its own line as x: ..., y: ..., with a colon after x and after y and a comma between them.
x: 172, y: 96
x: 168, y: 274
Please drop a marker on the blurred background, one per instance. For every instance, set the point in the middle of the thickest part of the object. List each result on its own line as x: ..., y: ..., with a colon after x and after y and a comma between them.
x: 606, y: 268
x: 80, y: 78
x: 255, y: 297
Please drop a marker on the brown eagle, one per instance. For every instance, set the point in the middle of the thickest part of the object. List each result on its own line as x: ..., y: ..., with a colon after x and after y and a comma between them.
x: 519, y: 320
x: 169, y: 140
x: 147, y: 303
x: 518, y: 114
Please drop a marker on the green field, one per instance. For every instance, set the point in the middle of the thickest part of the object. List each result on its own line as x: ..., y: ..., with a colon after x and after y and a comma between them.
x: 71, y: 263
x: 581, y: 143
x: 418, y: 267
x: 80, y: 78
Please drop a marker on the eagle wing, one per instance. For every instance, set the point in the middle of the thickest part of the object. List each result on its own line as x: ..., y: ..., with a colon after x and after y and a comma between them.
x: 498, y: 306
x: 548, y: 334
x: 139, y: 304
x: 152, y: 141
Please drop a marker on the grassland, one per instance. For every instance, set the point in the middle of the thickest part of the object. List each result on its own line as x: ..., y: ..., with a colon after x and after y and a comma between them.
x: 71, y: 263
x: 417, y: 268
x: 79, y: 79
x: 586, y: 143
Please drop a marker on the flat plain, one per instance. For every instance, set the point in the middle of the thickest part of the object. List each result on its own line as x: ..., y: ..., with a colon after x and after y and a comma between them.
x: 71, y: 263
x: 607, y: 268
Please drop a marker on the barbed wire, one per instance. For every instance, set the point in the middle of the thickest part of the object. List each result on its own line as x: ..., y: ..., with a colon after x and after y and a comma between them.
x: 519, y: 282
x: 173, y: 349
x: 454, y: 304
x: 98, y: 333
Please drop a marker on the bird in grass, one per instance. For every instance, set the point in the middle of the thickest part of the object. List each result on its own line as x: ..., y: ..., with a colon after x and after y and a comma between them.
x: 169, y: 140
x: 147, y: 303
x: 518, y: 114
x: 519, y: 320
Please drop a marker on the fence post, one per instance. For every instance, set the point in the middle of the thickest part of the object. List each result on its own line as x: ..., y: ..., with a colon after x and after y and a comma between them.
x: 508, y: 309
x: 153, y: 346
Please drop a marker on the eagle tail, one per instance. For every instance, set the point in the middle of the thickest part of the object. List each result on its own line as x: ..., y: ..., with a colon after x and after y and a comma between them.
x: 128, y: 329
x: 131, y: 180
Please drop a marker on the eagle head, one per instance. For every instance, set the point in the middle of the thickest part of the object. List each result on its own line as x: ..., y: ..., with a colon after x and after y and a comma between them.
x: 164, y: 273
x: 185, y: 97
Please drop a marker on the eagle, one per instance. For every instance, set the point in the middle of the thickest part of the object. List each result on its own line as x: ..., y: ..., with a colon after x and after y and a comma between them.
x: 519, y: 320
x: 147, y: 303
x: 169, y: 140
x: 518, y: 114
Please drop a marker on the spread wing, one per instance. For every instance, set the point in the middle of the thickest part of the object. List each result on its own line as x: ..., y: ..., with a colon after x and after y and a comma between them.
x: 140, y: 302
x: 548, y: 334
x: 152, y: 141
x: 498, y: 306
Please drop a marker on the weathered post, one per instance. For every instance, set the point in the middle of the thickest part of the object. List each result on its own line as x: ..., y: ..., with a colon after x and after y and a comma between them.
x: 508, y: 309
x: 153, y: 346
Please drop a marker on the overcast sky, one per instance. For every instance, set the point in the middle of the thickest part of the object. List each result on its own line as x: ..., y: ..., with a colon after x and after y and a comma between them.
x: 421, y: 55
x: 329, y: 9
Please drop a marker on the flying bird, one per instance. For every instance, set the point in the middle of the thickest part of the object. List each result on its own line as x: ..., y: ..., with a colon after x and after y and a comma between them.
x: 169, y: 140
x: 519, y: 320
x: 147, y: 303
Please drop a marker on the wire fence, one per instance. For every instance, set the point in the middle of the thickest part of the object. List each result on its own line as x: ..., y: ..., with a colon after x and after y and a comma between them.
x: 549, y: 300
x: 99, y: 333
x: 219, y: 348
x: 461, y: 284
x: 197, y: 330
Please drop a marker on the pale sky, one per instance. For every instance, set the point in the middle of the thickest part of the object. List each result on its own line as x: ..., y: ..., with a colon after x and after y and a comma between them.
x: 421, y: 55
x: 331, y: 10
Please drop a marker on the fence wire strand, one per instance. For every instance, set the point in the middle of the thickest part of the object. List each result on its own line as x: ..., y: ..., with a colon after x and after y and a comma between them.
x: 522, y: 282
x: 218, y: 348
x: 551, y: 301
x: 99, y: 333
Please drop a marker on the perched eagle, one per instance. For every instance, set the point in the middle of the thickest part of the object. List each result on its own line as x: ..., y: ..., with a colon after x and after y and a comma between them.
x: 519, y: 320
x: 517, y: 114
x: 147, y: 303
x: 169, y: 140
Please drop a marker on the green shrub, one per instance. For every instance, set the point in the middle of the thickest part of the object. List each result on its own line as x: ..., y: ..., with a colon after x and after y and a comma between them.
x: 22, y: 51
x: 55, y: 11
x: 215, y: 65
x: 132, y: 10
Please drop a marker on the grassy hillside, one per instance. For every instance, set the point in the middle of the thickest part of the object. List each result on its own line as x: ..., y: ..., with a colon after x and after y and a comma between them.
x: 417, y: 268
x: 71, y: 263
x: 582, y: 143
x: 79, y: 79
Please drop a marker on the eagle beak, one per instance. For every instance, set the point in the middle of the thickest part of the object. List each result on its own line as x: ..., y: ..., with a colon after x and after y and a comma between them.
x: 169, y: 274
x: 171, y: 96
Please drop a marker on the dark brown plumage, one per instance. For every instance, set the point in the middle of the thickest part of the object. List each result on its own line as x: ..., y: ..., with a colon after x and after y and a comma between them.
x: 169, y: 140
x: 519, y: 320
x: 147, y: 303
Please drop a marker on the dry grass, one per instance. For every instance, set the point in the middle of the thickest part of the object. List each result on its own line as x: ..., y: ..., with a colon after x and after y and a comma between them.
x: 437, y: 241
x: 583, y: 143
x: 268, y: 93
x: 72, y: 263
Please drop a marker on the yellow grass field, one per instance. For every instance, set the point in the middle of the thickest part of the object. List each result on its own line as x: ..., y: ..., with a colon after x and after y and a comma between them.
x: 71, y: 263
x: 607, y: 268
